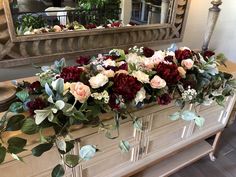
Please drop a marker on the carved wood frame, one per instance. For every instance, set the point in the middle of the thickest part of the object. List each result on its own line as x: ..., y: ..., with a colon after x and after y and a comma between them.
x: 22, y: 50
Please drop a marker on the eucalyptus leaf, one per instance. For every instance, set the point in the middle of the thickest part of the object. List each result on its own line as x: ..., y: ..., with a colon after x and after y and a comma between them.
x: 58, y: 85
x: 15, y: 123
x: 124, y: 146
x: 48, y: 90
x: 40, y: 149
x: 3, y: 152
x: 60, y: 104
x: 175, y: 116
x: 72, y: 160
x: 188, y: 115
x: 58, y: 171
x: 87, y: 152
x: 16, y: 107
x: 29, y: 127
x: 22, y: 95
x: 199, y: 121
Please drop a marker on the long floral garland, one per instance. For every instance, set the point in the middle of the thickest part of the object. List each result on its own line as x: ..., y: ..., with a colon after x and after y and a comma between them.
x: 115, y: 82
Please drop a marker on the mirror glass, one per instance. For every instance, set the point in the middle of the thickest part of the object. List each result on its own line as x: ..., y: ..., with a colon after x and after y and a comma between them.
x: 44, y: 16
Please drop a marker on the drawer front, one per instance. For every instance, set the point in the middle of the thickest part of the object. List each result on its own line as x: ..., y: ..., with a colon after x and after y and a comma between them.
x: 166, y: 136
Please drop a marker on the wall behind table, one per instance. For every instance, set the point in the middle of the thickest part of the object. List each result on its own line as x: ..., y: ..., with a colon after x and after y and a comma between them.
x: 223, y: 39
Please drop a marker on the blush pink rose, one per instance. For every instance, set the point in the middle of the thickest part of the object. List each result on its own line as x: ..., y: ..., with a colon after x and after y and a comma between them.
x: 157, y: 82
x: 80, y: 91
x: 188, y: 63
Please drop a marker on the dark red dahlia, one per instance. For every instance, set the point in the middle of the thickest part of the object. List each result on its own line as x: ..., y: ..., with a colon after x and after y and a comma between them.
x: 164, y: 99
x: 90, y: 26
x: 169, y: 58
x: 208, y: 54
x: 126, y: 85
x: 168, y: 72
x: 183, y: 54
x: 83, y: 60
x: 124, y: 67
x: 115, y: 24
x: 35, y: 87
x: 37, y: 103
x: 71, y: 74
x: 147, y: 52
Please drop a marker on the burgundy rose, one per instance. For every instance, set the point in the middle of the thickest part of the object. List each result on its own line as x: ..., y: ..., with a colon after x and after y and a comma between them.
x: 35, y: 87
x: 71, y: 74
x: 147, y: 52
x: 83, y: 60
x: 164, y: 99
x: 183, y: 54
x: 90, y: 26
x: 115, y: 24
x: 208, y: 54
x: 168, y: 72
x: 169, y: 58
x: 37, y: 103
x: 123, y: 67
x: 126, y: 85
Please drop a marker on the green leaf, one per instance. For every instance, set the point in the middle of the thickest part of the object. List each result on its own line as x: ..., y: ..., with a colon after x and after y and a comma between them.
x: 15, y: 123
x: 69, y: 147
x: 16, y: 145
x: 220, y: 100
x: 16, y: 107
x: 40, y: 149
x: 23, y: 95
x: 58, y: 85
x: 79, y: 115
x: 29, y: 127
x: 199, y: 121
x: 188, y: 115
x: 138, y: 125
x: 41, y: 115
x: 3, y: 152
x: 61, y: 144
x: 175, y: 116
x: 124, y: 146
x: 87, y: 152
x: 58, y: 171
x: 72, y: 160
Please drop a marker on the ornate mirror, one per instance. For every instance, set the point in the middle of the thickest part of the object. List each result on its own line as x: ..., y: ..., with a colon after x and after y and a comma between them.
x: 44, y: 30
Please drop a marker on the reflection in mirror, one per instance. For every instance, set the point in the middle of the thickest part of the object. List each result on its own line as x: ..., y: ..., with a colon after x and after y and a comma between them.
x: 43, y: 16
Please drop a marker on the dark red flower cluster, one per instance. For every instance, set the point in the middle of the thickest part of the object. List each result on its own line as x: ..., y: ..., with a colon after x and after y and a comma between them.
x: 83, y: 60
x: 168, y: 72
x: 169, y: 58
x: 35, y: 87
x: 71, y: 74
x: 183, y: 54
x: 208, y: 54
x: 123, y: 67
x: 90, y: 26
x: 126, y: 85
x: 147, y: 52
x: 37, y: 103
x: 164, y: 99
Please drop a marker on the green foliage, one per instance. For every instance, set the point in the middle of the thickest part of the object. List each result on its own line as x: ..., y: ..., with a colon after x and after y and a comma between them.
x: 3, y: 152
x: 16, y: 145
x: 58, y: 171
x: 34, y: 22
x: 15, y: 122
x: 16, y: 107
x: 29, y: 127
x: 40, y: 149
x: 71, y: 160
x: 23, y: 95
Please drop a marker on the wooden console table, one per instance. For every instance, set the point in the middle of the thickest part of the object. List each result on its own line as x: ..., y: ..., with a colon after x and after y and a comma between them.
x: 170, y: 145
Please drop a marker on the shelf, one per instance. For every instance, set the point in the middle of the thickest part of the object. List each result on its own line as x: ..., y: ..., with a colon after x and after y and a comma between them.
x: 177, y: 161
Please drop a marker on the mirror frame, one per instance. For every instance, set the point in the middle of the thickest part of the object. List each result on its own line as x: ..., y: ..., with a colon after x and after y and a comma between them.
x: 36, y: 48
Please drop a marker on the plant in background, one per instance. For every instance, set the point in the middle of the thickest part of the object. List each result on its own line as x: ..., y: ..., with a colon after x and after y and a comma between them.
x: 67, y: 96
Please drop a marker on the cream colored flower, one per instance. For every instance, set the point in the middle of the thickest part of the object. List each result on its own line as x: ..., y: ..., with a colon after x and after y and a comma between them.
x: 182, y: 72
x: 188, y: 63
x: 57, y: 28
x: 66, y: 87
x: 121, y: 72
x: 80, y: 91
x: 157, y: 82
x: 98, y: 81
x: 109, y: 62
x: 158, y: 57
x: 140, y: 96
x: 108, y: 73
x: 141, y: 76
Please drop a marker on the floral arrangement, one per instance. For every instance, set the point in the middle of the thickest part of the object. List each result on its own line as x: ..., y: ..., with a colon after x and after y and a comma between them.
x: 116, y: 82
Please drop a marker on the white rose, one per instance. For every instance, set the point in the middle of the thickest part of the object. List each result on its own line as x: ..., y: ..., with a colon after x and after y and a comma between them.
x: 100, y: 68
x: 98, y: 81
x: 149, y: 63
x: 141, y: 76
x: 158, y: 57
x: 132, y: 58
x: 188, y: 63
x: 108, y: 73
x: 109, y: 62
x: 140, y: 96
